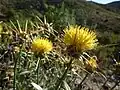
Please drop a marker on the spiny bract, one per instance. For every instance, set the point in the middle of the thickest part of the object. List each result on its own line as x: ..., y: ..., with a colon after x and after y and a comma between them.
x: 91, y: 64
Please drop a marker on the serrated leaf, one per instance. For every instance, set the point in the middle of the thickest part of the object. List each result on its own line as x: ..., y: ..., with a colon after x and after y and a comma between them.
x: 36, y: 86
x: 67, y: 87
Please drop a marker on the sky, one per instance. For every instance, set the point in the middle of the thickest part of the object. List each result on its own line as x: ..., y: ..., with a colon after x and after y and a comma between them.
x: 103, y: 1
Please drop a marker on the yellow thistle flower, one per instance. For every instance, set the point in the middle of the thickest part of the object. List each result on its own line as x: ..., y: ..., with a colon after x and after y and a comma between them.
x: 41, y: 45
x: 80, y: 39
x: 91, y: 64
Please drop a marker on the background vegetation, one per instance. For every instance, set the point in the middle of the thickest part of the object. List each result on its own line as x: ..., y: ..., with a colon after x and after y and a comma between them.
x: 104, y: 19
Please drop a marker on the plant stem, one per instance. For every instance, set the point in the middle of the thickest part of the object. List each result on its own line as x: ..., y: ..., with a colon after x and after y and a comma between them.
x: 79, y: 86
x: 104, y: 83
x: 15, y: 67
x: 38, y: 74
x: 38, y: 70
x: 64, y: 75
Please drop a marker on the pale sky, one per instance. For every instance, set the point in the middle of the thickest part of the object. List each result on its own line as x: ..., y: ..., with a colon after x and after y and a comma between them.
x: 103, y: 1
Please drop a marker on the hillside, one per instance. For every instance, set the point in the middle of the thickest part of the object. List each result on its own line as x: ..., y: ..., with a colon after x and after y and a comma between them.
x: 113, y: 7
x: 103, y: 17
x: 115, y: 4
x: 106, y: 20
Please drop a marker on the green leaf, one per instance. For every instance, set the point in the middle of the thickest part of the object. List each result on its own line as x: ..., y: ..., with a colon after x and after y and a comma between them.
x: 67, y: 87
x: 1, y: 28
x: 36, y: 86
x: 25, y: 72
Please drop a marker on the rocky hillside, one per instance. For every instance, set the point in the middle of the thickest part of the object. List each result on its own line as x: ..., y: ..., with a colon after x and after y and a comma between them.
x: 115, y: 4
x: 104, y: 17
x: 96, y: 14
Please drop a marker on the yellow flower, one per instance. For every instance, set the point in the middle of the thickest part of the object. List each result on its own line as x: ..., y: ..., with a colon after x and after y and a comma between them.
x: 91, y: 64
x: 41, y: 45
x: 80, y: 38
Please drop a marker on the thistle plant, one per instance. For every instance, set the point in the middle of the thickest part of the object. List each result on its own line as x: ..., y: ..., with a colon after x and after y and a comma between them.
x: 78, y: 40
x: 40, y: 46
x: 36, y: 60
x: 22, y: 41
x: 90, y: 65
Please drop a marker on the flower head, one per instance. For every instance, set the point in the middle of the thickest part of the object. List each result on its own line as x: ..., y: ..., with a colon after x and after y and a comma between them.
x: 80, y: 39
x: 41, y: 45
x: 91, y: 64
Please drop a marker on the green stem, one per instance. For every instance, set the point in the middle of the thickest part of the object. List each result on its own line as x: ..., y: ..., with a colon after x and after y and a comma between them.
x: 38, y: 74
x: 64, y: 75
x: 15, y: 69
x: 104, y: 83
x: 37, y: 70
